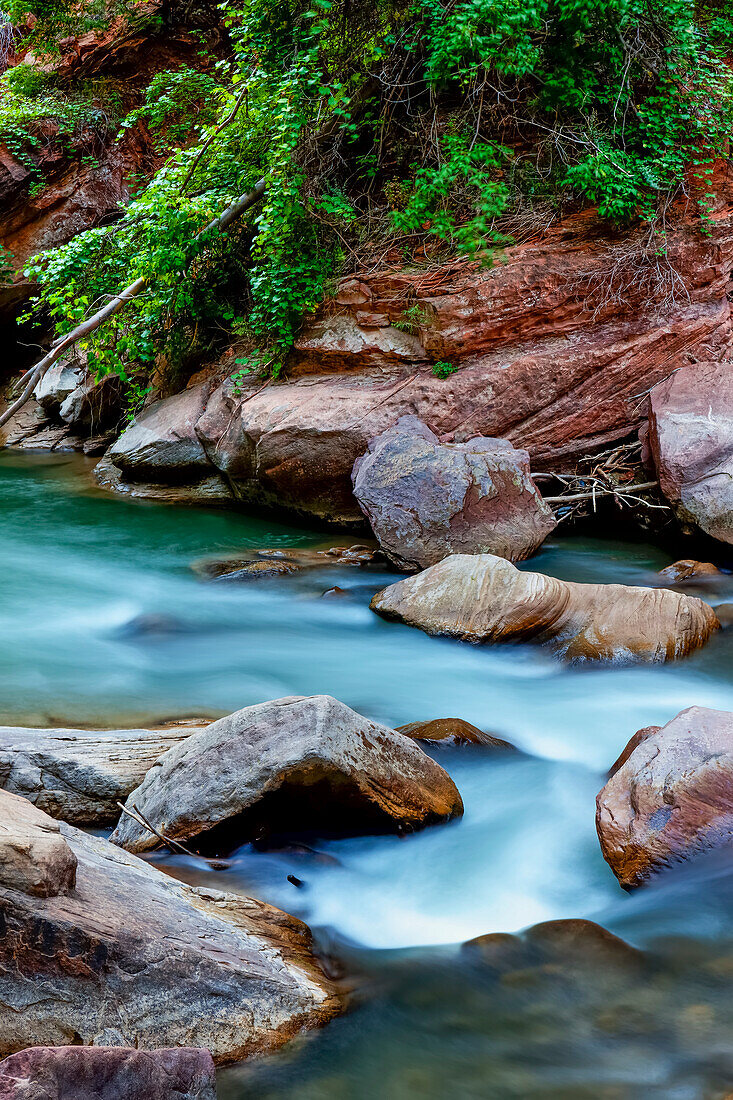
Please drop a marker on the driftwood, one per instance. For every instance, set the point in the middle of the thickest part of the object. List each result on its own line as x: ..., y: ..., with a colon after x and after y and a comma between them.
x: 33, y: 376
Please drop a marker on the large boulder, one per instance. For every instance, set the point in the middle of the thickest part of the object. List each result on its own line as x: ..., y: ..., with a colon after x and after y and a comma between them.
x: 108, y: 1073
x: 127, y: 956
x: 671, y: 797
x: 34, y: 857
x: 160, y: 456
x: 425, y: 499
x: 691, y: 442
x: 292, y: 765
x: 79, y: 776
x: 482, y: 598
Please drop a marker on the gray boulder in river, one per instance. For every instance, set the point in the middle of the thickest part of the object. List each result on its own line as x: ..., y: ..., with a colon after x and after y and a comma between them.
x: 79, y: 776
x: 425, y: 499
x: 291, y: 765
x: 112, y: 952
x: 482, y: 598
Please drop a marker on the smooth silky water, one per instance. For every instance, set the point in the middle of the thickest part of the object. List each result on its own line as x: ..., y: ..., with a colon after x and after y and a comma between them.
x: 102, y: 622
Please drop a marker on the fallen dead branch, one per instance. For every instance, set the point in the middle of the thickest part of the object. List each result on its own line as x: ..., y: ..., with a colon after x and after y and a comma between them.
x: 140, y: 819
x: 33, y: 376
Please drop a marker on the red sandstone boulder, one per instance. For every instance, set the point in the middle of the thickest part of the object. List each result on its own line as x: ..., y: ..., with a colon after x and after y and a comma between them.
x: 671, y: 797
x: 691, y: 441
x: 425, y: 500
x: 108, y: 1073
x: 481, y: 598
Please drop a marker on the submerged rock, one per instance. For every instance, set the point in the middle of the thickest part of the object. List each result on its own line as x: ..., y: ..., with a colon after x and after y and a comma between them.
x: 482, y: 598
x: 568, y: 947
x: 452, y: 731
x: 689, y: 570
x: 293, y: 765
x: 126, y: 956
x: 283, y: 562
x: 691, y: 442
x: 671, y: 797
x: 79, y: 776
x: 108, y: 1073
x: 425, y: 499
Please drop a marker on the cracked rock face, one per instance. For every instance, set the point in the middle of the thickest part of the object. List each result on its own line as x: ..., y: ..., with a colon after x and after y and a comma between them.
x: 293, y: 765
x: 125, y: 956
x: 482, y: 598
x: 691, y: 442
x: 107, y: 1073
x: 671, y: 798
x: 426, y: 500
x: 79, y: 776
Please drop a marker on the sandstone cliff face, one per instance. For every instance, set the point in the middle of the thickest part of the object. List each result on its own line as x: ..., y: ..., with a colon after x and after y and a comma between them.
x: 555, y: 348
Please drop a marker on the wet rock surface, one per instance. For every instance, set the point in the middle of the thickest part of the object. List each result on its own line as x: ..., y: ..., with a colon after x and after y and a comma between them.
x: 671, y: 798
x: 294, y: 765
x: 452, y: 731
x: 126, y: 956
x: 281, y: 562
x: 79, y: 776
x: 425, y: 500
x: 112, y: 1073
x: 691, y: 442
x: 482, y: 598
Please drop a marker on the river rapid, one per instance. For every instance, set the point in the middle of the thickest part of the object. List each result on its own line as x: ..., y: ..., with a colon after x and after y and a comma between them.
x: 103, y: 622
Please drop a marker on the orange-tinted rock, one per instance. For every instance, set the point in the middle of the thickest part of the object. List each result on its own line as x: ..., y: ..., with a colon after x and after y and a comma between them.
x: 34, y: 857
x: 452, y: 731
x: 688, y: 570
x: 425, y: 499
x: 482, y: 598
x: 639, y: 736
x: 671, y: 798
x: 691, y: 440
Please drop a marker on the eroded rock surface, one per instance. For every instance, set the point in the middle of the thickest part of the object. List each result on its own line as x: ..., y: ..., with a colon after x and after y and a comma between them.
x: 691, y: 442
x: 127, y: 956
x: 482, y: 598
x: 79, y: 776
x: 292, y: 765
x: 425, y: 500
x: 671, y: 798
x: 107, y: 1073
x: 284, y: 561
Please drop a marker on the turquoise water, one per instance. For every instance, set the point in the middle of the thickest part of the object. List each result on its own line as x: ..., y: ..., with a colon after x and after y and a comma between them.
x: 80, y: 568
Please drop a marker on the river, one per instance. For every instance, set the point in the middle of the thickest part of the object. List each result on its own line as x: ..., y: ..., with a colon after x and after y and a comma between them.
x: 103, y: 622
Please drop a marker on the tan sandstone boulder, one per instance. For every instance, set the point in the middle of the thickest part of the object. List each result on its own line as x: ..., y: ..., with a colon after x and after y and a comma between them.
x: 291, y: 765
x: 482, y: 598
x: 671, y: 797
x: 124, y: 955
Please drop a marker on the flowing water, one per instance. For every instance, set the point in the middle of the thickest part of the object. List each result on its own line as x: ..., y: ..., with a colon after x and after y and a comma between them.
x: 103, y: 622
